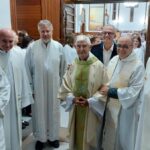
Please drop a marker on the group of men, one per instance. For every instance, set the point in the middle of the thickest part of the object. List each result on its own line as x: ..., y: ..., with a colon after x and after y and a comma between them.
x: 38, y: 76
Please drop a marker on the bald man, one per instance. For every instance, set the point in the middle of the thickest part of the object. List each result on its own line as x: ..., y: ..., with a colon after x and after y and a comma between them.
x: 126, y: 76
x: 11, y: 62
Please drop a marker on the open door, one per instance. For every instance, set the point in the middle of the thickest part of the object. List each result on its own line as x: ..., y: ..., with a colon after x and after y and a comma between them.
x: 131, y: 18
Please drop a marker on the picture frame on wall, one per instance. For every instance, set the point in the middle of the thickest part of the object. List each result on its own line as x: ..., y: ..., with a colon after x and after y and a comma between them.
x: 96, y: 17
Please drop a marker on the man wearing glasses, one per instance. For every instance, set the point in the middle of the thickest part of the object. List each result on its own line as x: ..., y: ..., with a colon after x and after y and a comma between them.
x: 107, y: 49
x: 126, y: 76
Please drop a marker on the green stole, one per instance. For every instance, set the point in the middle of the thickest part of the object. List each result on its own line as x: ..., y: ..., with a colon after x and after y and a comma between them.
x: 80, y: 88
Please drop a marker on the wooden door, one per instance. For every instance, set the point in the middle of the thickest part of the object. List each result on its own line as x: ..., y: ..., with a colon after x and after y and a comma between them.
x: 25, y: 15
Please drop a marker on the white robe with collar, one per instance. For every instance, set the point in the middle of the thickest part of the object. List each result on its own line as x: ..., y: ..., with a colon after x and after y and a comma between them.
x: 96, y: 77
x: 143, y: 134
x: 70, y: 53
x: 4, y: 99
x: 122, y: 114
x: 140, y: 53
x: 13, y: 65
x: 46, y: 66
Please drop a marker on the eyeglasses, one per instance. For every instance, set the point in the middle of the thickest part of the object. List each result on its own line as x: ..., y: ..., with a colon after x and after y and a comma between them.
x: 109, y: 33
x: 123, y: 46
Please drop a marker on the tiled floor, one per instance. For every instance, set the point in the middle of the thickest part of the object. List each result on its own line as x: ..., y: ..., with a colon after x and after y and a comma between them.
x: 29, y: 141
x: 29, y: 144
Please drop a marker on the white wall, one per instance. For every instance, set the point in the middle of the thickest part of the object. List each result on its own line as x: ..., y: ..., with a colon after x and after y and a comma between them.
x: 123, y: 23
x: 5, y: 18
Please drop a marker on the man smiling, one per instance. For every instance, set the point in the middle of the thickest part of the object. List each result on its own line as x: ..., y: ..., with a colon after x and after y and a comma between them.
x: 126, y: 75
x: 107, y: 49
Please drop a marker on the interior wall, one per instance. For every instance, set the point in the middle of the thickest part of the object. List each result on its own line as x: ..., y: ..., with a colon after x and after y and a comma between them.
x: 122, y: 23
x: 5, y: 18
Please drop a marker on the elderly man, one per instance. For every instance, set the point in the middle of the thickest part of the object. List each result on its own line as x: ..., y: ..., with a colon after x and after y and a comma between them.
x: 45, y: 63
x: 126, y: 74
x: 11, y: 61
x: 4, y: 99
x: 106, y: 49
x: 79, y: 90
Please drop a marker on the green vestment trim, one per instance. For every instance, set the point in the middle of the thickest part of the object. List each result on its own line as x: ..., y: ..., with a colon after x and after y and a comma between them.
x: 80, y: 88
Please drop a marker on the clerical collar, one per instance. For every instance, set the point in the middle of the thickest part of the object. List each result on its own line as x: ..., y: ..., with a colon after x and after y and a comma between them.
x: 85, y: 58
x: 46, y: 42
x: 130, y: 57
x: 2, y: 52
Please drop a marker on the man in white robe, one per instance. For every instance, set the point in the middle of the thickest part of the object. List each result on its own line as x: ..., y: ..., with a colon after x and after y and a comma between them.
x: 70, y: 53
x: 126, y: 75
x: 143, y: 134
x: 45, y: 63
x: 4, y: 99
x: 69, y: 49
x: 12, y: 62
x: 79, y: 92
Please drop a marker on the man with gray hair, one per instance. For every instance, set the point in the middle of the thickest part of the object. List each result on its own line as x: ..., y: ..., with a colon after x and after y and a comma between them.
x: 45, y: 63
x: 79, y: 91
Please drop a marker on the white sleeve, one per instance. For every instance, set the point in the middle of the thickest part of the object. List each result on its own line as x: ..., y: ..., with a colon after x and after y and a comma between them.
x: 96, y: 106
x: 4, y: 92
x: 29, y: 67
x: 128, y: 95
x: 68, y: 103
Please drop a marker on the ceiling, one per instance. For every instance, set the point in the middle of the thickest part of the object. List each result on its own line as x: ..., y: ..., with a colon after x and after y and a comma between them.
x: 102, y: 1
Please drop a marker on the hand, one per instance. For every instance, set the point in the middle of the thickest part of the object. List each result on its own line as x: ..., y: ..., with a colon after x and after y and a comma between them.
x: 80, y: 101
x: 76, y: 100
x: 83, y: 102
x: 104, y: 90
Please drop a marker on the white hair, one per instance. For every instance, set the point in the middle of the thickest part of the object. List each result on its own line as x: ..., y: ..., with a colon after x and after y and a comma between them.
x: 82, y: 38
x: 45, y: 23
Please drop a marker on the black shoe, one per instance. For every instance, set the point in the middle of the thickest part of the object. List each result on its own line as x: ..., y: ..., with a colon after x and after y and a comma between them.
x: 54, y: 144
x: 23, y: 126
x: 39, y: 145
x: 25, y: 123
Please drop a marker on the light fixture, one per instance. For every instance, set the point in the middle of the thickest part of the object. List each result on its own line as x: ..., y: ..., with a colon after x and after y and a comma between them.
x: 131, y: 4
